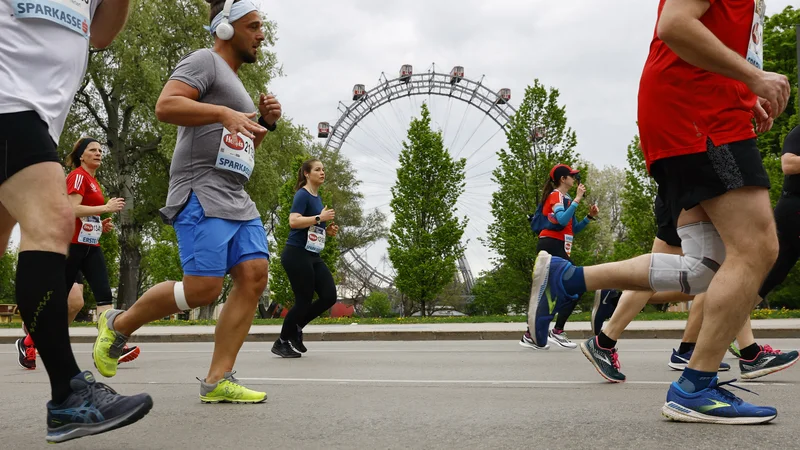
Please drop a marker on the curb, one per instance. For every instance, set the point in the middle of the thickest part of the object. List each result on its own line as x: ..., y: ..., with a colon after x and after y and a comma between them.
x: 415, y: 335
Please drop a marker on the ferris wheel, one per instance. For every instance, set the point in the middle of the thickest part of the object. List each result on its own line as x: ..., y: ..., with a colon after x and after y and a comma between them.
x: 373, y: 140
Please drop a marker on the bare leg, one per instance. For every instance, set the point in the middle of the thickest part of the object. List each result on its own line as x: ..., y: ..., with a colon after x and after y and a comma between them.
x: 159, y: 301
x: 744, y: 220
x: 249, y: 282
x: 75, y: 301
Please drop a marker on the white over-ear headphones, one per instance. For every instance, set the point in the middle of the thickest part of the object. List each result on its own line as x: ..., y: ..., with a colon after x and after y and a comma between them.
x: 224, y: 30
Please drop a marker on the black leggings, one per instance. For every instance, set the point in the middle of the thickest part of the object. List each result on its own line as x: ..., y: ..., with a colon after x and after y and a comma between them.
x: 787, y: 219
x: 555, y: 247
x: 307, y: 274
x: 89, y: 260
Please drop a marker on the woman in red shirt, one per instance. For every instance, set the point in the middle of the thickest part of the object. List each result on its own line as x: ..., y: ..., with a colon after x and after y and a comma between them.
x: 559, y: 208
x: 85, y: 255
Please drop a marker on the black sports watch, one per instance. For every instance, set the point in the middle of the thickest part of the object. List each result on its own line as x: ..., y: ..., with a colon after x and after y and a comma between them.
x: 264, y: 124
x: 318, y: 219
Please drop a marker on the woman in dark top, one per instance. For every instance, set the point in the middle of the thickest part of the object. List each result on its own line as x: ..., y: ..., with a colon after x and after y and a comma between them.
x: 307, y: 272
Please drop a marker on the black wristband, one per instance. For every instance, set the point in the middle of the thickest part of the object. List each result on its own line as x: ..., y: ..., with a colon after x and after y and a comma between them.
x: 591, y: 218
x: 264, y: 124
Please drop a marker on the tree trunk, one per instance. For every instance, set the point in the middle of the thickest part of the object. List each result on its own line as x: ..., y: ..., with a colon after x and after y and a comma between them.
x: 129, y: 242
x: 129, y: 259
x: 206, y: 312
x: 422, y: 310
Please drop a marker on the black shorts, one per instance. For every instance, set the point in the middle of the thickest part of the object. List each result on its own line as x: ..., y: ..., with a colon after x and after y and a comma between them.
x: 685, y: 181
x: 667, y: 230
x: 79, y: 278
x: 24, y: 141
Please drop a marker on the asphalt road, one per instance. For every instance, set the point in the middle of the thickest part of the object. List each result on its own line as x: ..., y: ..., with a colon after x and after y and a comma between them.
x: 446, y: 394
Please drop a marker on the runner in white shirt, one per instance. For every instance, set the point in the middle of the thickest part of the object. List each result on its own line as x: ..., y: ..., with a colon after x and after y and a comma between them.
x: 43, y: 56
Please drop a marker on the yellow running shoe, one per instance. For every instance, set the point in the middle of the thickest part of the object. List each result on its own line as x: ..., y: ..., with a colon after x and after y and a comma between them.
x: 109, y: 345
x: 229, y: 390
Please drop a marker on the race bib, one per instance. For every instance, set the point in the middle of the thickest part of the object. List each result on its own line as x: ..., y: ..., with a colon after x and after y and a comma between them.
x: 316, y: 239
x: 755, y: 49
x: 74, y: 15
x: 568, y: 244
x: 91, y: 230
x: 236, y: 153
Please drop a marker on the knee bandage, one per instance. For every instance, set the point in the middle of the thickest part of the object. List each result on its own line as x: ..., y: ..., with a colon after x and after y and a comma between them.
x: 180, y: 297
x: 703, y: 252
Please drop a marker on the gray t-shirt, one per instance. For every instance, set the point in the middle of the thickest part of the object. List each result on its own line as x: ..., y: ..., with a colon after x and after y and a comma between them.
x: 193, y: 168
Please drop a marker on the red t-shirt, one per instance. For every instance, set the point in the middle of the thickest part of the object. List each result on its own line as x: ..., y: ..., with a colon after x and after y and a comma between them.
x: 80, y: 182
x: 681, y: 106
x: 555, y: 198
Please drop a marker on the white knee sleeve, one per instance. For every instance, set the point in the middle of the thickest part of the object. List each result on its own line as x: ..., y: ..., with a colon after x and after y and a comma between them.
x: 703, y: 252
x: 180, y: 297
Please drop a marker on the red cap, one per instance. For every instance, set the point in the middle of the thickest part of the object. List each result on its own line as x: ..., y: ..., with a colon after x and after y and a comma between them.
x: 562, y: 170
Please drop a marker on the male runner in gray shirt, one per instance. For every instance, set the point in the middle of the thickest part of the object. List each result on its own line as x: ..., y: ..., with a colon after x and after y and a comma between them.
x: 218, y: 227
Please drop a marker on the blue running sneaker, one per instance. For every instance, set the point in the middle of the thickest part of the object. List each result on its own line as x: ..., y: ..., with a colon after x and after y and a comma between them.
x: 605, y: 303
x: 93, y: 408
x: 714, y: 405
x: 680, y: 361
x: 547, y: 295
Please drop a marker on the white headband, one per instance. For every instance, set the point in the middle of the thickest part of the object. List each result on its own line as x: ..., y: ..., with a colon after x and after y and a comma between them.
x: 238, y: 10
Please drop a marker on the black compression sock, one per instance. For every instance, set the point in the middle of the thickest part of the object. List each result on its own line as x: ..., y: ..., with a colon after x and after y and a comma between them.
x: 42, y: 300
x: 750, y: 352
x: 605, y: 341
x: 685, y: 347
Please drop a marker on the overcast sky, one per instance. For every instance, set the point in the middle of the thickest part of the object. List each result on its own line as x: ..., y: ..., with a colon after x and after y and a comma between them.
x: 592, y: 51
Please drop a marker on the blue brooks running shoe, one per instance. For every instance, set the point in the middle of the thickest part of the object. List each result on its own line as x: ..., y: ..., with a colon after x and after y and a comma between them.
x: 679, y: 361
x: 714, y: 405
x: 547, y: 295
x: 93, y: 408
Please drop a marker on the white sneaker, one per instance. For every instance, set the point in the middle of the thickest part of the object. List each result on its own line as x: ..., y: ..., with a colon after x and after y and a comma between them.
x: 561, y: 340
x: 527, y: 341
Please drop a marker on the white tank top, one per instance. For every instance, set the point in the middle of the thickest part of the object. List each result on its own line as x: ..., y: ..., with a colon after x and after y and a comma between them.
x: 43, y: 56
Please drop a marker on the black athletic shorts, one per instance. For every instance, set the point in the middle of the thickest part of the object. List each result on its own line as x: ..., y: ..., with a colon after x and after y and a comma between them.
x: 685, y: 181
x: 667, y: 230
x: 79, y: 278
x: 24, y: 141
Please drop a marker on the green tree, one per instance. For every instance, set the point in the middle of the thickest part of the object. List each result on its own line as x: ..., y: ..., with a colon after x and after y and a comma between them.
x: 524, y: 168
x: 780, y: 55
x: 637, y: 215
x: 425, y: 237
x: 377, y: 304
x: 8, y: 275
x: 116, y: 103
x: 280, y: 289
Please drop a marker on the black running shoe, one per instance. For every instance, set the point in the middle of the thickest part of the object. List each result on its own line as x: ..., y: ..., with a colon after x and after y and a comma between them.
x: 605, y: 302
x: 768, y: 361
x: 284, y: 350
x: 26, y: 355
x: 298, y: 342
x: 604, y: 360
x: 93, y: 408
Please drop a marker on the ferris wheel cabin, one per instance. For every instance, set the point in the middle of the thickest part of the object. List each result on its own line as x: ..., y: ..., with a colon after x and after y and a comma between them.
x: 359, y: 92
x: 405, y: 72
x: 457, y: 74
x: 503, y: 96
x: 537, y: 134
x: 323, y: 130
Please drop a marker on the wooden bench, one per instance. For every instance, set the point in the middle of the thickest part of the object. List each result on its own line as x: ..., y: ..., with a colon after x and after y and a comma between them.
x: 7, y: 312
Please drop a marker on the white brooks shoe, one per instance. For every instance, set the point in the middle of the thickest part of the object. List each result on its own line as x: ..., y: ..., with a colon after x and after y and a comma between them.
x: 560, y: 339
